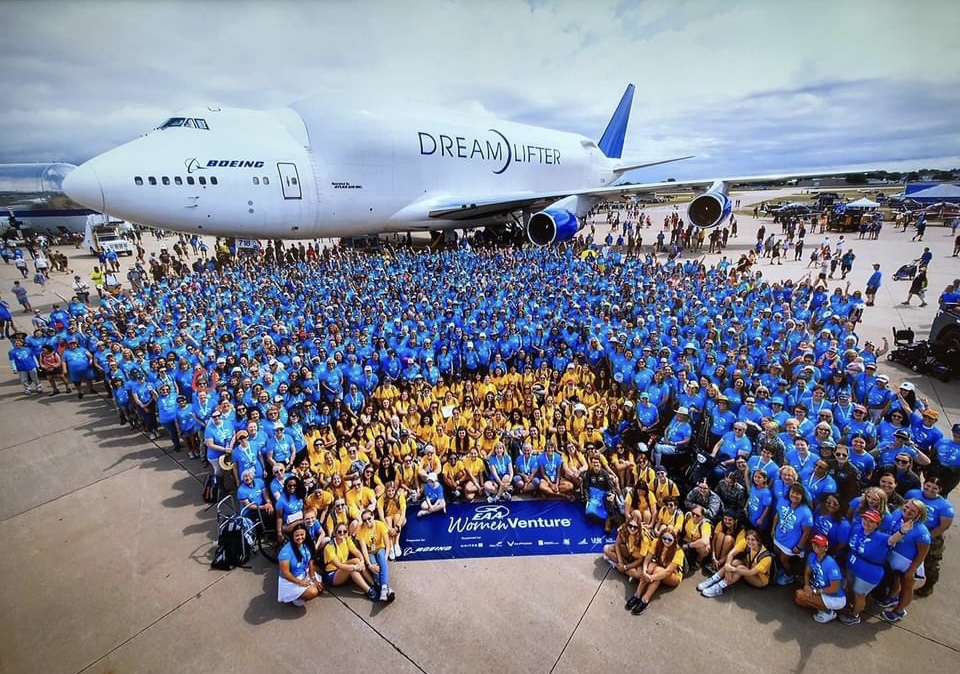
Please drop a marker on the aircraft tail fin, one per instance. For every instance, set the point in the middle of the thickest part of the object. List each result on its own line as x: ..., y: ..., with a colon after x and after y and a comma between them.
x: 611, y: 142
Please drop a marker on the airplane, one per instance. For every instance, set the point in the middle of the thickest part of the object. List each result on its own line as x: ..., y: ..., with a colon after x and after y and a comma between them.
x: 32, y: 196
x: 319, y: 169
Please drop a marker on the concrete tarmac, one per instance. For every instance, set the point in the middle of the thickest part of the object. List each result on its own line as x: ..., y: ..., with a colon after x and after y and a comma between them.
x: 107, y: 547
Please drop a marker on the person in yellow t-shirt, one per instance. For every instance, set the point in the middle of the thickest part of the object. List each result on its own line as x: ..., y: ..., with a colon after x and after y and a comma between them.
x: 574, y: 465
x: 695, y: 537
x: 487, y: 442
x: 475, y: 468
x: 374, y: 539
x: 641, y: 504
x: 669, y: 515
x: 663, y: 487
x: 453, y: 476
x: 344, y: 563
x: 623, y: 465
x: 392, y: 509
x: 749, y: 562
x: 360, y: 498
x: 340, y: 515
x: 407, y: 477
x: 644, y: 471
x: 429, y: 463
x: 590, y: 435
x: 328, y: 468
x: 726, y: 535
x: 663, y: 565
x: 628, y: 552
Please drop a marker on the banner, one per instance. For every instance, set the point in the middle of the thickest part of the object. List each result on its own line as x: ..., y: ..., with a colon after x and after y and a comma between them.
x: 501, y: 530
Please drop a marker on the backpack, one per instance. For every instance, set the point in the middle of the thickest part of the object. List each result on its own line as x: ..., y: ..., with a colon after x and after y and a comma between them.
x: 211, y: 489
x: 234, y: 544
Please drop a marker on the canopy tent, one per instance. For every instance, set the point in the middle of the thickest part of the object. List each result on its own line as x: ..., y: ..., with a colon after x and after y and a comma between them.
x: 863, y: 203
x: 931, y: 195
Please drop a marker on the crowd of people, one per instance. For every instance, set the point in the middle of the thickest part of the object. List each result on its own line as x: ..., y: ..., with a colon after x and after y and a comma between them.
x: 344, y: 390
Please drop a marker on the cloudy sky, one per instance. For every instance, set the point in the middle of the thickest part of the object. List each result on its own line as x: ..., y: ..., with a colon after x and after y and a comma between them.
x: 749, y: 86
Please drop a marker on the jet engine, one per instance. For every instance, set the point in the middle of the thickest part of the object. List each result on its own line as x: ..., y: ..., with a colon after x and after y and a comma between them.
x: 711, y: 208
x: 552, y: 225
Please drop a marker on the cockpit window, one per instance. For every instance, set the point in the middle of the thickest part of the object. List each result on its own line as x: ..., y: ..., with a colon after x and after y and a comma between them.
x: 173, y: 121
x: 186, y: 122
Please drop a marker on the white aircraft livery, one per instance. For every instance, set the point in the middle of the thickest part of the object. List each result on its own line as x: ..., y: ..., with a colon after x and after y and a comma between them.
x: 316, y: 170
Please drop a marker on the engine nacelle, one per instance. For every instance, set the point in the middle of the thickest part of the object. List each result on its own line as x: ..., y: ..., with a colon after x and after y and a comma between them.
x: 711, y: 208
x: 552, y: 225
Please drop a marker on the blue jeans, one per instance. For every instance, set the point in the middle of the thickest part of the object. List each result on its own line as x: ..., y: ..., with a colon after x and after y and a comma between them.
x: 381, y: 560
x: 660, y: 449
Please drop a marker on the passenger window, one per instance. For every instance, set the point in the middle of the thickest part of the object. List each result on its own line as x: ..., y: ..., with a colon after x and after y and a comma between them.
x: 256, y: 180
x: 202, y: 180
x: 188, y: 124
x: 173, y: 121
x: 202, y: 124
x: 165, y: 180
x: 266, y: 180
x: 152, y: 180
x: 190, y: 180
x: 177, y: 180
x: 213, y: 180
x: 138, y: 180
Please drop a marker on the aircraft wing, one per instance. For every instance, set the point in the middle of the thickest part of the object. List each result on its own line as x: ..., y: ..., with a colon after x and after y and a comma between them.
x: 467, y: 208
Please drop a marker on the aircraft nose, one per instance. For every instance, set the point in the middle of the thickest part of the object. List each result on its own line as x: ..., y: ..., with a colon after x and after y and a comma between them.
x: 83, y: 186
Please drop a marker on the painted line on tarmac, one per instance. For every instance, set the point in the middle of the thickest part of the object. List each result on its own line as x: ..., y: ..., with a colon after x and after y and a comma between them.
x: 582, y: 616
x: 123, y: 643
x: 378, y: 632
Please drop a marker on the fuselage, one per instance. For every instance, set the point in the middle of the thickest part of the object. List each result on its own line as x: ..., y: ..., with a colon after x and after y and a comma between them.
x: 315, y: 169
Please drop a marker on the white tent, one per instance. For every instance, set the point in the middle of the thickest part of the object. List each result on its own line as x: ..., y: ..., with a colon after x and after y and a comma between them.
x: 944, y: 192
x: 862, y: 203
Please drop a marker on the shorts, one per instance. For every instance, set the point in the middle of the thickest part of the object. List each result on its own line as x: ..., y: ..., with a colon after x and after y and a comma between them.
x: 860, y: 586
x: 834, y: 603
x: 328, y: 577
x: 287, y: 591
x: 785, y: 550
x: 898, y: 562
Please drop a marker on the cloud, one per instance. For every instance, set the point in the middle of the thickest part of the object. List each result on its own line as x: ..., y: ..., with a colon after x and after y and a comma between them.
x: 746, y: 86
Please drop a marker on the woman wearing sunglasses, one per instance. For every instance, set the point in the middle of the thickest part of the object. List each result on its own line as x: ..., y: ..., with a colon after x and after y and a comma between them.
x: 628, y: 552
x: 662, y: 565
x: 374, y: 543
x: 344, y: 563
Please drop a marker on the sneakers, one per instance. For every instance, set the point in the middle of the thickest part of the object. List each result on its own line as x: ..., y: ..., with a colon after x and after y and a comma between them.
x: 889, y: 602
x: 784, y: 579
x: 631, y: 602
x: 713, y: 591
x: 397, y: 551
x: 422, y: 513
x: 707, y: 583
x: 639, y: 608
x: 372, y: 594
x: 612, y: 563
x: 824, y: 617
x: 893, y: 616
x: 923, y: 304
x: 506, y: 496
x: 491, y: 499
x: 383, y: 593
x: 391, y: 555
x: 850, y: 619
x: 299, y: 603
x: 391, y: 595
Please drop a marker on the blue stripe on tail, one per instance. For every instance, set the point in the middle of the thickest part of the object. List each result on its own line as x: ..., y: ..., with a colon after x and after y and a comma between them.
x: 611, y: 142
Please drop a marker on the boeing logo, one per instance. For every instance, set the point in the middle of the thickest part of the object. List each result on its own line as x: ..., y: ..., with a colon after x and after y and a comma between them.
x: 234, y: 163
x: 192, y: 165
x: 496, y: 149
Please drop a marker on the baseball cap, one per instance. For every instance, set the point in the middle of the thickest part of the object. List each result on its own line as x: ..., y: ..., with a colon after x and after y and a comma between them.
x: 820, y: 539
x: 683, y: 410
x: 956, y: 429
x: 872, y: 515
x: 930, y: 414
x: 431, y: 477
x: 907, y: 386
x: 901, y: 433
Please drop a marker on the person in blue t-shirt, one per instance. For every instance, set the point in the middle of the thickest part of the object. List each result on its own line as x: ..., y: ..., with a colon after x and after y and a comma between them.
x: 792, y: 524
x: 906, y: 557
x: 865, y: 566
x: 299, y: 581
x: 24, y: 364
x: 167, y: 413
x: 940, y: 516
x: 676, y: 439
x: 822, y: 583
x: 947, y: 462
